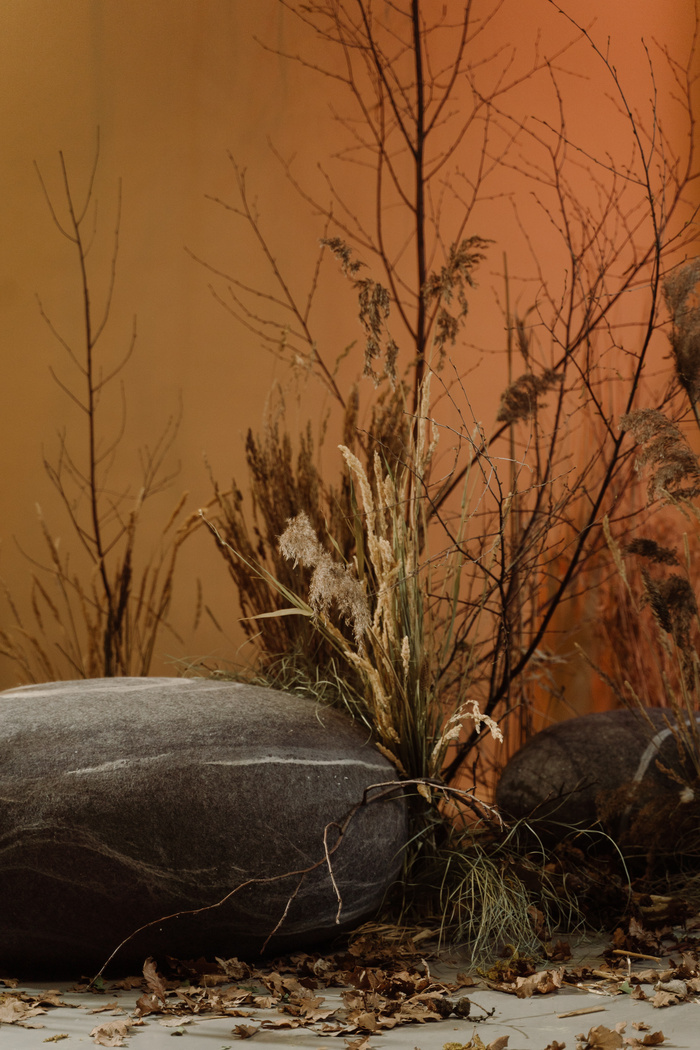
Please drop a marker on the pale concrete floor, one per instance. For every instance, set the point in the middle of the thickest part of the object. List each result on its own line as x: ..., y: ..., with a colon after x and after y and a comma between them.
x: 530, y: 1024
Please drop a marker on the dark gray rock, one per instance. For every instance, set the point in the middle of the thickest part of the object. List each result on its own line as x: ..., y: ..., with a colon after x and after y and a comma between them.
x: 605, y: 765
x: 125, y: 800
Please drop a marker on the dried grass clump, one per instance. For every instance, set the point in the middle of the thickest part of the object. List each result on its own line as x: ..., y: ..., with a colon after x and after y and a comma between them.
x: 78, y: 629
x: 284, y: 484
x: 384, y: 616
x: 396, y: 649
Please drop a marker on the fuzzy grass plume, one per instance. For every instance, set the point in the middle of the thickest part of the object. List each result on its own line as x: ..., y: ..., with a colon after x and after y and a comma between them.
x: 394, y: 648
x: 674, y: 472
x: 388, y: 614
x: 680, y: 292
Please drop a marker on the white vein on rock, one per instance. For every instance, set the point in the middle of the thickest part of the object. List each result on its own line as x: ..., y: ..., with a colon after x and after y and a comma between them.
x: 295, y: 761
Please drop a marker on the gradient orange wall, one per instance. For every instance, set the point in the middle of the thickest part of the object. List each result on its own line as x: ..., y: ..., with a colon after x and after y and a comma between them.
x: 173, y: 85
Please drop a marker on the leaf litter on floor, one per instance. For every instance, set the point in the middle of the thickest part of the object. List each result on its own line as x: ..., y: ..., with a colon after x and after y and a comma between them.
x: 381, y: 985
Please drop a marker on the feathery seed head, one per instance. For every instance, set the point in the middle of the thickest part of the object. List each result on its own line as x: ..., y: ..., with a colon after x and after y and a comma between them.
x: 330, y: 582
x: 680, y: 292
x: 675, y: 469
x: 521, y: 399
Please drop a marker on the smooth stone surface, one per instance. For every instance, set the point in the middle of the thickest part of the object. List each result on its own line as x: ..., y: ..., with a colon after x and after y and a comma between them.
x: 567, y: 775
x: 124, y: 800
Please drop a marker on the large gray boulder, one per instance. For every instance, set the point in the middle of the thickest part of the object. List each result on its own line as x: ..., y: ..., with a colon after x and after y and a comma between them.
x: 126, y: 800
x: 622, y: 768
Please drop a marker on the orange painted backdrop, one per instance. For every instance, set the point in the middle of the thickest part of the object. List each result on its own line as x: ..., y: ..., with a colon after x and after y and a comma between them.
x: 173, y: 85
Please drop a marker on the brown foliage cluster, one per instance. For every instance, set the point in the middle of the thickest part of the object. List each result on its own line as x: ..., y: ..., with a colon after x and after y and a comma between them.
x: 282, y: 486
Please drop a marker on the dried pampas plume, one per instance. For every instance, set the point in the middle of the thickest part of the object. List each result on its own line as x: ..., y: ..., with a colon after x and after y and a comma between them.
x: 673, y: 604
x: 675, y: 472
x: 520, y: 400
x: 680, y: 292
x: 330, y: 582
x: 652, y: 551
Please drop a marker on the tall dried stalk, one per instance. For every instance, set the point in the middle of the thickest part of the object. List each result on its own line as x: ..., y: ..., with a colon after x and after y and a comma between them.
x: 103, y: 615
x: 519, y: 500
x: 282, y: 485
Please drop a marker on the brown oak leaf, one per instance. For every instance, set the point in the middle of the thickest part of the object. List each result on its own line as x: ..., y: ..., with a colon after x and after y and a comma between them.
x: 245, y: 1031
x: 538, y: 983
x: 16, y: 1011
x: 661, y: 999
x: 650, y: 1039
x: 111, y: 1033
x: 154, y: 982
x: 602, y: 1038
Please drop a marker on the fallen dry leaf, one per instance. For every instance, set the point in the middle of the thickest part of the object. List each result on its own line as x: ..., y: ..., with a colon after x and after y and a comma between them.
x: 234, y: 969
x: 646, y: 976
x: 538, y: 983
x: 154, y: 982
x: 555, y: 1046
x: 661, y: 999
x: 16, y: 1011
x: 676, y: 987
x: 366, y: 1020
x: 148, y: 1004
x: 111, y: 1033
x: 650, y: 1039
x: 245, y: 1031
x: 417, y: 1011
x: 51, y: 998
x: 601, y: 1038
x: 476, y: 1043
x: 358, y: 1044
x: 56, y: 1038
x: 283, y: 1022
x: 560, y: 951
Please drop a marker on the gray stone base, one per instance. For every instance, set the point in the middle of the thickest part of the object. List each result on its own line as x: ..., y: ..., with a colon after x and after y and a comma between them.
x: 126, y: 800
x: 610, y: 771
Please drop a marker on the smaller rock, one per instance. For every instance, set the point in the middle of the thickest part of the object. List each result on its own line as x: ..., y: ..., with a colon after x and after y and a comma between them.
x: 613, y: 769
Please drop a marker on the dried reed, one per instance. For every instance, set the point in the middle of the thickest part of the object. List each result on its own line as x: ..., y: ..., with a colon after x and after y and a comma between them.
x: 99, y: 609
